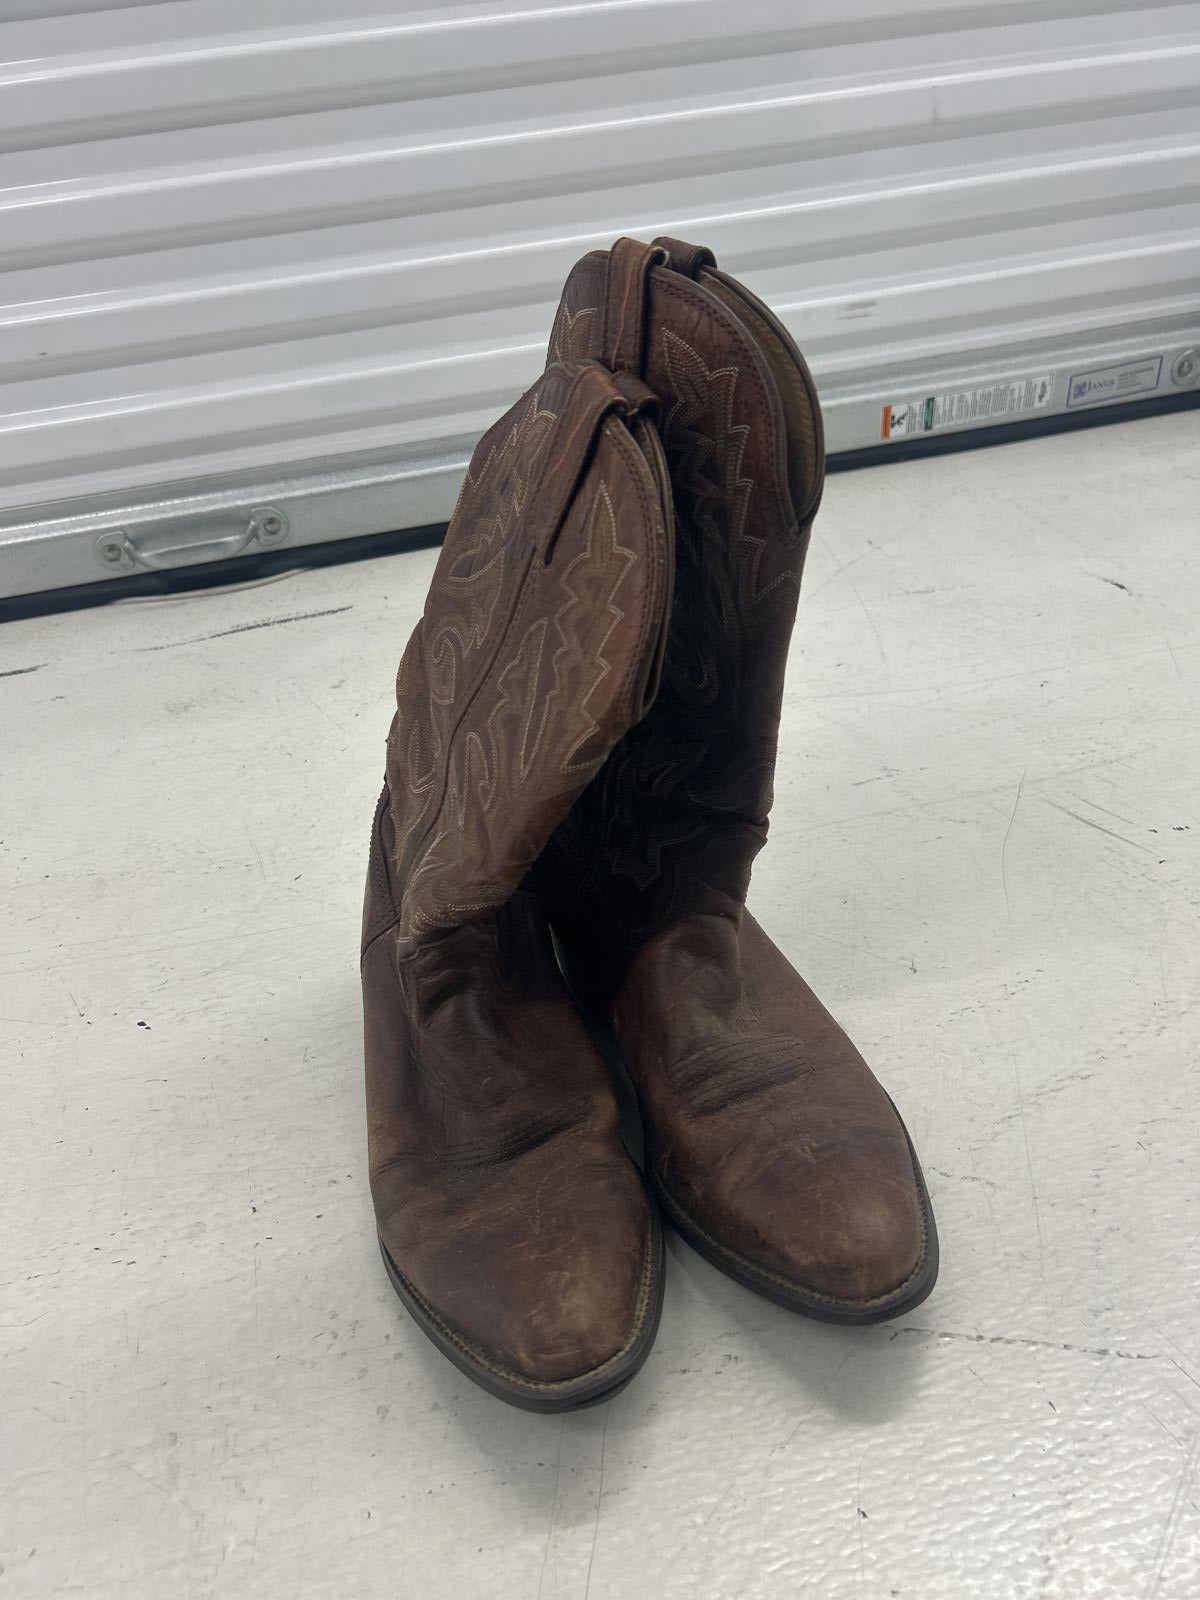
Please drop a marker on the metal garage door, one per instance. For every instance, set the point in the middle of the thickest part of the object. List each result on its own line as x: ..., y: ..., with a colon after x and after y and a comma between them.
x: 268, y: 266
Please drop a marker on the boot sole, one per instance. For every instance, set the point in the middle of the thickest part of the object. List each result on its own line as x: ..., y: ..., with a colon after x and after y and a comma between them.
x: 794, y: 1296
x: 568, y: 1394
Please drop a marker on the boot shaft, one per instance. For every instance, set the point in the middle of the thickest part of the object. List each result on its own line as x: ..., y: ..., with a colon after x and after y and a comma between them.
x: 540, y: 644
x: 680, y: 809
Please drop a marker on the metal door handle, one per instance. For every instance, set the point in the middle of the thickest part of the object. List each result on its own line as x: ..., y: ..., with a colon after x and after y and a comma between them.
x: 265, y: 525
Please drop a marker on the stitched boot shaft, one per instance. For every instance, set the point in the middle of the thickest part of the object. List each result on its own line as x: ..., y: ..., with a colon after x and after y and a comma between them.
x: 513, y: 1223
x: 680, y: 810
x: 771, y: 1143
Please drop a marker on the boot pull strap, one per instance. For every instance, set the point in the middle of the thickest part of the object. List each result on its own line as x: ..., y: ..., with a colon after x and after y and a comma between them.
x: 623, y: 335
x: 685, y: 258
x: 594, y: 394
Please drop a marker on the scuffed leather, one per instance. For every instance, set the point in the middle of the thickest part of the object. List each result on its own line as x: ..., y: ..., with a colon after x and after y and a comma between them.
x: 763, y: 1123
x: 502, y: 1191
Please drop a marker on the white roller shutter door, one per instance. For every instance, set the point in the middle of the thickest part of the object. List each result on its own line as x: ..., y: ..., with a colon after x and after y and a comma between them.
x: 285, y: 259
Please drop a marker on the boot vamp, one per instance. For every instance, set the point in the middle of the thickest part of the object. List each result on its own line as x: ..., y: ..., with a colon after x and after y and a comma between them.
x: 764, y: 1124
x: 503, y: 1194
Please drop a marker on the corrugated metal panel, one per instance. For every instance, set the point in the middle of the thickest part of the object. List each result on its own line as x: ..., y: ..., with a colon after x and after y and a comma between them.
x: 236, y: 239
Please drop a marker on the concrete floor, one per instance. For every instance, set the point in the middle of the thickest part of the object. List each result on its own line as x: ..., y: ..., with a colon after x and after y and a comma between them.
x: 984, y: 856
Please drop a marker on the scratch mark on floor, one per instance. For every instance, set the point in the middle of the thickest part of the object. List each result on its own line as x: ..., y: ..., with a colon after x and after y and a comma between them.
x: 905, y: 962
x: 956, y: 686
x: 20, y: 672
x: 1088, y: 823
x: 587, y: 1587
x: 262, y: 874
x: 1171, y: 1527
x: 860, y: 1519
x: 550, y: 1531
x: 345, y: 732
x: 1128, y: 821
x: 839, y: 566
x: 963, y: 1177
x: 1037, y: 1344
x: 825, y: 1388
x: 1179, y: 675
x: 1033, y: 1188
x: 1124, y: 587
x: 248, y: 627
x: 1158, y: 1421
x: 866, y: 611
x: 1004, y: 846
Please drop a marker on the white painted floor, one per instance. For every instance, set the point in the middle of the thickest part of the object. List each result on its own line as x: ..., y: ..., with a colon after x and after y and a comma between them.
x: 984, y: 856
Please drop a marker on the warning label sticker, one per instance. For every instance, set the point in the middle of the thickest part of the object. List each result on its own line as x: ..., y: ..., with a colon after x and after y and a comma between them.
x: 908, y: 419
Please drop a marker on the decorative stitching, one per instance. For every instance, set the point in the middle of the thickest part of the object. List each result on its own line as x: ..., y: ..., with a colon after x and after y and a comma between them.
x: 683, y: 771
x: 599, y: 576
x: 571, y: 338
x: 486, y: 762
x: 500, y: 485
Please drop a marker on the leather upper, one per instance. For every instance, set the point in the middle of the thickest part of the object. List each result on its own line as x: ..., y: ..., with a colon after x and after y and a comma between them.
x: 539, y: 646
x: 503, y: 1195
x: 763, y: 1124
x: 693, y: 782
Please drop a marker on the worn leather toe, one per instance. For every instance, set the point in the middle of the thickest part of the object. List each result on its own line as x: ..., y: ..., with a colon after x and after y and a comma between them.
x: 776, y: 1148
x: 544, y: 1266
x: 826, y: 1221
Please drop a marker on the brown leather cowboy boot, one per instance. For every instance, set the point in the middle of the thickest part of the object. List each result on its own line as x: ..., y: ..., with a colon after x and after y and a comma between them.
x: 513, y: 1224
x: 772, y: 1146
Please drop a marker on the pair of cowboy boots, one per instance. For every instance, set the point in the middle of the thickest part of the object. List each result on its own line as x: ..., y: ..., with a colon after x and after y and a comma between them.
x: 579, y: 776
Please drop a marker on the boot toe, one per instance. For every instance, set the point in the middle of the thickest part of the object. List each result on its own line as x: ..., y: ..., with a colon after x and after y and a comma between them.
x: 835, y: 1224
x: 846, y: 1233
x: 542, y: 1285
